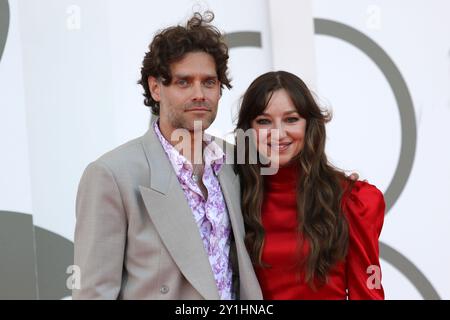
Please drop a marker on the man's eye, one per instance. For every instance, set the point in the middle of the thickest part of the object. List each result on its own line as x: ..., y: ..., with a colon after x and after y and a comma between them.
x: 182, y: 83
x: 263, y: 121
x: 210, y: 83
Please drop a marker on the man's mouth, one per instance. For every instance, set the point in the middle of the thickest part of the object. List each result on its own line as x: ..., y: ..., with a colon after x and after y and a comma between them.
x: 199, y: 106
x: 198, y: 109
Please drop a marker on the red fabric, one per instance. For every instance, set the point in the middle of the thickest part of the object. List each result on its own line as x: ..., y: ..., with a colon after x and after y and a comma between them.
x: 364, y: 208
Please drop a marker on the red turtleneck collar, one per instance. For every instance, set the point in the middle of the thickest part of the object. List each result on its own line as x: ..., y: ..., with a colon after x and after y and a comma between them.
x: 285, y: 178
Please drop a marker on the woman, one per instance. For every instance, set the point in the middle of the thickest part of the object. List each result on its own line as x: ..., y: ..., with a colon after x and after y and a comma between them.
x: 312, y: 233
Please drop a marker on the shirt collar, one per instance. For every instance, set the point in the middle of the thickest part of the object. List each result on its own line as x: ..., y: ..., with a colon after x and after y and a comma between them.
x: 212, y: 154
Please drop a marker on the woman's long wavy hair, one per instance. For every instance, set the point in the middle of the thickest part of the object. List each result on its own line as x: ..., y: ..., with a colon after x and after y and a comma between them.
x: 320, y: 186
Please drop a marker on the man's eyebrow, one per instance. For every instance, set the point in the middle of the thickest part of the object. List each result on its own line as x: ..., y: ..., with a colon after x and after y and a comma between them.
x: 187, y: 76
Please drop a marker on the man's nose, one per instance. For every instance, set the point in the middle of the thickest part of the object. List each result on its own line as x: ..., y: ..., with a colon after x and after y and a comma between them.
x: 198, y: 92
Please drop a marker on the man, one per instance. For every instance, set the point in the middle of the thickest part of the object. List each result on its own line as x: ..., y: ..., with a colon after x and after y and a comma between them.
x: 158, y: 218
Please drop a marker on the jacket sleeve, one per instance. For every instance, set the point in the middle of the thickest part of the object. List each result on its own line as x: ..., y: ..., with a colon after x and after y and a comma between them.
x: 100, y: 234
x: 365, y: 208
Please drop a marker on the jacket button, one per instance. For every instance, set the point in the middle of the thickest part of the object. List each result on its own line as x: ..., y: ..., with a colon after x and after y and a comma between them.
x: 164, y: 289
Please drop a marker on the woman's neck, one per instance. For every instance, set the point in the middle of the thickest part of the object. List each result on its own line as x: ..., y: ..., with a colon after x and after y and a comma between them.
x: 286, y: 176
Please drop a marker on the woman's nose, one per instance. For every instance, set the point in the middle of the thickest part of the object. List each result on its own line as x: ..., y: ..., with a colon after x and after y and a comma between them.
x: 280, y: 130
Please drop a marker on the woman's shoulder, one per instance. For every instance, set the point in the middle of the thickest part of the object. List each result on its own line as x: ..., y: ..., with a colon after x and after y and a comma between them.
x: 364, y: 203
x: 364, y: 193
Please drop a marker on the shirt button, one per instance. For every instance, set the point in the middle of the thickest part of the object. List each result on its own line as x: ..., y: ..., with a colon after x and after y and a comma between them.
x: 164, y: 289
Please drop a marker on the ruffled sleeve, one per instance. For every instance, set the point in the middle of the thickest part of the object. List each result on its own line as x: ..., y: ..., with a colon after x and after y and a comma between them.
x: 364, y: 207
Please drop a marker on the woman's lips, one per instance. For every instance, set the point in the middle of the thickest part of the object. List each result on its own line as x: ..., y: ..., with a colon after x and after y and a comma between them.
x: 280, y: 146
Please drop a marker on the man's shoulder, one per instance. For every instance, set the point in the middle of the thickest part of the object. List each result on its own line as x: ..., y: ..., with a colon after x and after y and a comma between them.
x: 127, y: 163
x: 123, y: 156
x: 124, y: 150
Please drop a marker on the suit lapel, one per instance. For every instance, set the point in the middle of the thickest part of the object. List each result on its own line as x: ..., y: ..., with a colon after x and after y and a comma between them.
x: 173, y: 218
x: 229, y: 181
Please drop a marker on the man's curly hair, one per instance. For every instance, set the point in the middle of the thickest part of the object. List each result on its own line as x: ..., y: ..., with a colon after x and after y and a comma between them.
x: 171, y: 44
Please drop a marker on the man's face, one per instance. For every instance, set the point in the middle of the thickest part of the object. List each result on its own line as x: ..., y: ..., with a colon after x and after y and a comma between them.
x: 192, y: 95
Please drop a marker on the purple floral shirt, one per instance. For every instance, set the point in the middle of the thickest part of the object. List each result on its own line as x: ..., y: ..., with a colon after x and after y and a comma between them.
x: 210, y: 214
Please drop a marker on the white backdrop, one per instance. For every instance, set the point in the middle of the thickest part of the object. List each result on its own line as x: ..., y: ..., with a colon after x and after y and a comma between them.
x: 68, y: 94
x: 366, y: 135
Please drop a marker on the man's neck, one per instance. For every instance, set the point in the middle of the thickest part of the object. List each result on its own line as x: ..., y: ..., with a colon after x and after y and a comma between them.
x: 188, y: 143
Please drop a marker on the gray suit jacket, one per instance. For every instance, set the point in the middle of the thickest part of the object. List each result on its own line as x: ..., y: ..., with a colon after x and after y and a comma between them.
x: 135, y: 235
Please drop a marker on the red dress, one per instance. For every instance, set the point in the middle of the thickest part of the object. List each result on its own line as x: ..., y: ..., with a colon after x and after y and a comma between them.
x: 364, y: 208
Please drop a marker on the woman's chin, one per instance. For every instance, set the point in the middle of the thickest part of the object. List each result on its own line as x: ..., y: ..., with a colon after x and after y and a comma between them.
x: 275, y: 162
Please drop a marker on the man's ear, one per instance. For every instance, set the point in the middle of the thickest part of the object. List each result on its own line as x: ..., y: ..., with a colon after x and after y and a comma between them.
x: 155, y: 88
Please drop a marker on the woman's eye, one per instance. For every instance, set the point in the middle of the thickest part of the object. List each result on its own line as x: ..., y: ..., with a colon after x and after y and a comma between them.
x: 263, y: 121
x: 292, y: 119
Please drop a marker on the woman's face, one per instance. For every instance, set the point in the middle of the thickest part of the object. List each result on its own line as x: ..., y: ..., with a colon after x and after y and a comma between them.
x: 280, y: 130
